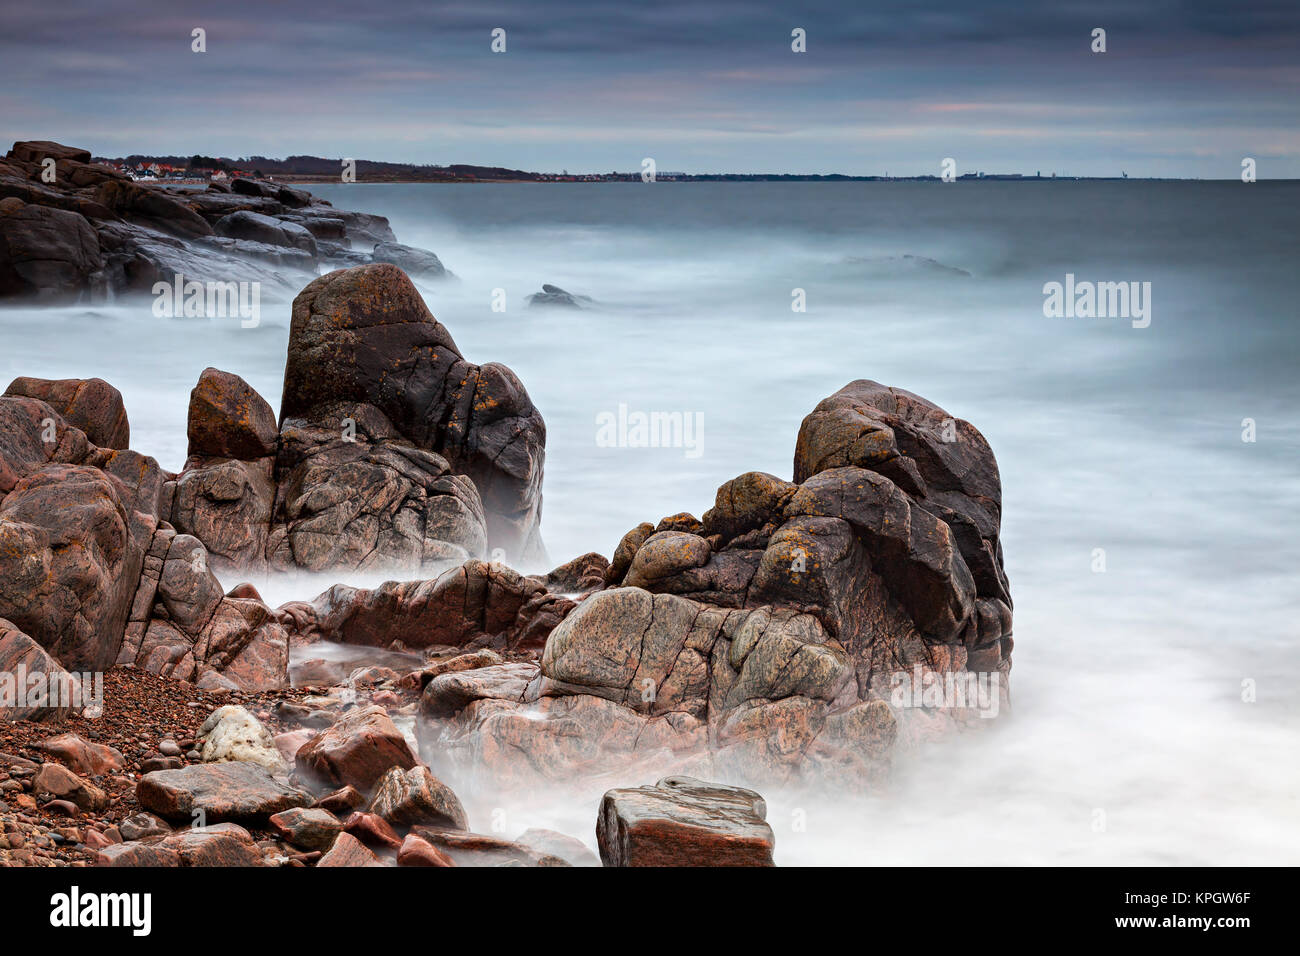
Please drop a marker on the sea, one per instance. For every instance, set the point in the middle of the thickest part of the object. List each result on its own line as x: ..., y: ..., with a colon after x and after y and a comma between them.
x: 1149, y: 454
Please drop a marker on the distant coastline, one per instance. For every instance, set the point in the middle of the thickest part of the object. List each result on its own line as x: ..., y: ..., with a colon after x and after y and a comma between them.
x: 308, y: 170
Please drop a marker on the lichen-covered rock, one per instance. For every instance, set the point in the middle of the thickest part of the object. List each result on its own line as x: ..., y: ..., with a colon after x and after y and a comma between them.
x: 228, y: 419
x: 232, y: 733
x: 785, y: 636
x: 90, y: 404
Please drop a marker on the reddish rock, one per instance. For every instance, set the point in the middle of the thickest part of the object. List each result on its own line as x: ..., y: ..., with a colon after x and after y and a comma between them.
x: 358, y: 750
x: 341, y: 802
x: 56, y: 782
x: 372, y: 829
x: 222, y: 791
x: 221, y: 845
x: 407, y: 797
x: 477, y: 849
x: 349, y: 851
x: 90, y: 404
x: 681, y: 821
x: 312, y: 829
x: 83, y: 757
x: 365, y: 335
x: 22, y: 656
x: 228, y: 419
x: 139, y: 826
x: 417, y: 851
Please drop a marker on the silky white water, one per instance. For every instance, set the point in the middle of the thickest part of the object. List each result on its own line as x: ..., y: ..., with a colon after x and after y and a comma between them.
x: 1130, y: 740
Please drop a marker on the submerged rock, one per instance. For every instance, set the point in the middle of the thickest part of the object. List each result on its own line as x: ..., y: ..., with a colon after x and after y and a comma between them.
x: 412, y: 261
x: 553, y: 295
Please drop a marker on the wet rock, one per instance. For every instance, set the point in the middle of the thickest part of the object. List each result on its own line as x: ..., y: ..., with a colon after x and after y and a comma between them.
x: 554, y: 296
x: 349, y: 851
x: 560, y: 845
x: 407, y: 797
x: 477, y: 849
x: 235, y: 791
x: 357, y: 750
x: 313, y: 829
x: 681, y: 821
x: 417, y: 851
x: 364, y: 335
x: 412, y: 261
x: 373, y: 830
x: 341, y: 802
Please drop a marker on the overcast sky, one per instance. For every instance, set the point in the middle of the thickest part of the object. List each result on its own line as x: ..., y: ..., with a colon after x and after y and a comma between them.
x: 1184, y: 89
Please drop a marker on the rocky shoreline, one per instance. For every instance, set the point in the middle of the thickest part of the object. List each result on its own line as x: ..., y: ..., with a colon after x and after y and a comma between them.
x: 71, y: 229
x: 763, y: 644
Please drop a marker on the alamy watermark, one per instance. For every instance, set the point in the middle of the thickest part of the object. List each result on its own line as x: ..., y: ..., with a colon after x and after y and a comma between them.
x: 633, y: 429
x: 21, y: 689
x: 1099, y: 300
x: 190, y: 298
x: 954, y: 690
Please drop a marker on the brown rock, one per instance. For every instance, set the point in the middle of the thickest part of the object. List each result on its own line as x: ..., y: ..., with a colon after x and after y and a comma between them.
x: 349, y: 851
x: 218, y: 791
x: 228, y: 419
x: 365, y: 335
x: 407, y: 797
x: 90, y: 404
x: 313, y: 829
x: 681, y: 821
x: 357, y: 750
x: 417, y: 851
x: 55, y: 781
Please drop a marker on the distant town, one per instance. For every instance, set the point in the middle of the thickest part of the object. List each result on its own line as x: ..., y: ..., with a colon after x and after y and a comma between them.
x: 207, y: 169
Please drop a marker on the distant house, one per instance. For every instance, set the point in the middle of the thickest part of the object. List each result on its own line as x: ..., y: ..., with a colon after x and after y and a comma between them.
x: 219, y: 176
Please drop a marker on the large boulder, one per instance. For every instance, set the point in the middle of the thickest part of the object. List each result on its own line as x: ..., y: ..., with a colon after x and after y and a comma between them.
x: 364, y: 336
x: 681, y: 821
x: 353, y: 494
x: 795, y: 634
x: 90, y: 404
x: 45, y: 251
x: 33, y: 685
